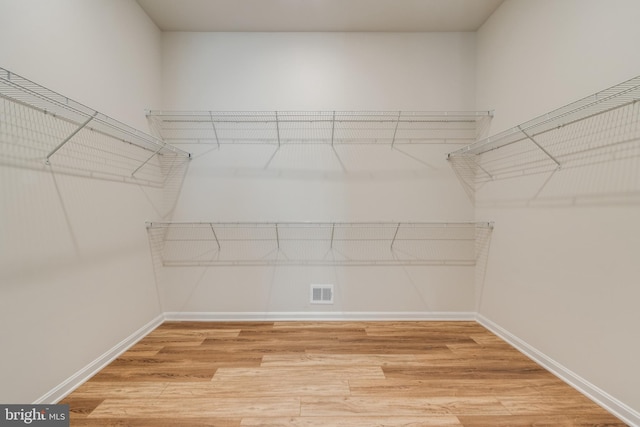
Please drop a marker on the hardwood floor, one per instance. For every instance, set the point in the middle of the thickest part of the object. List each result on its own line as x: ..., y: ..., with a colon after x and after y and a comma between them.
x: 343, y: 374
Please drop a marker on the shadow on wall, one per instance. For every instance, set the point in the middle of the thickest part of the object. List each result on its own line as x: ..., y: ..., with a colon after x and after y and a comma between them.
x: 592, y: 161
x: 482, y: 247
x: 281, y: 289
x: 66, y: 187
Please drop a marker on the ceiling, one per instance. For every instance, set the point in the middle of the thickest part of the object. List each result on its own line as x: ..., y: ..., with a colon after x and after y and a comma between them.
x: 319, y: 15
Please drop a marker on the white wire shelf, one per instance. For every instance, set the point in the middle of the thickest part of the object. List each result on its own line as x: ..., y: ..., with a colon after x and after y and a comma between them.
x: 39, y: 126
x: 602, y: 127
x: 321, y: 127
x: 184, y: 244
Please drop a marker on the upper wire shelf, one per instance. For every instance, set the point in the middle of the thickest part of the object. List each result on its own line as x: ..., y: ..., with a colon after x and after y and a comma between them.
x: 38, y: 125
x: 602, y: 127
x: 318, y: 127
x: 617, y: 96
x: 175, y: 244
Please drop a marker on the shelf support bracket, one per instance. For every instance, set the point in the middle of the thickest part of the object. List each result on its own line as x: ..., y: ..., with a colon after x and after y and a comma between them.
x: 333, y: 127
x: 278, y: 128
x: 539, y: 146
x: 215, y: 131
x: 215, y: 236
x: 473, y: 159
x: 277, y: 237
x: 147, y: 161
x: 394, y: 236
x: 67, y: 139
x: 333, y: 226
x: 395, y: 131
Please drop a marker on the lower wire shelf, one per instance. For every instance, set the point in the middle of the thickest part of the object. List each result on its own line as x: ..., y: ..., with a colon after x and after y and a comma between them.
x: 184, y: 244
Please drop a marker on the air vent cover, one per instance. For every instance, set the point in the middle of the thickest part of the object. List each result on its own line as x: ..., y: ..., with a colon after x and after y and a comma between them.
x: 321, y: 294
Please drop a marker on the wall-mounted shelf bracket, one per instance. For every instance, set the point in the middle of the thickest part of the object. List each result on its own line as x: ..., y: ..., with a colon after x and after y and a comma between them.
x: 539, y: 146
x: 68, y: 138
x: 333, y: 230
x: 155, y: 153
x: 215, y: 236
x: 215, y: 131
x: 479, y: 166
x: 395, y: 130
x: 333, y: 127
x: 395, y: 235
x: 278, y: 128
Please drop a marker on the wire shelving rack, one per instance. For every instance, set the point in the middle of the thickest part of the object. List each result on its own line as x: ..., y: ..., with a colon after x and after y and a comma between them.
x: 184, y: 244
x: 333, y: 128
x: 599, y: 128
x: 41, y: 128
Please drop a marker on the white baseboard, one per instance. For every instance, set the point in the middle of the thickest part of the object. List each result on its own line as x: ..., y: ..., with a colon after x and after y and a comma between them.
x: 599, y: 396
x: 77, y: 379
x: 316, y: 316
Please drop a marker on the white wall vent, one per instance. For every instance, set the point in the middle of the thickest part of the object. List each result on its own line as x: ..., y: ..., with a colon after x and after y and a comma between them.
x: 321, y: 294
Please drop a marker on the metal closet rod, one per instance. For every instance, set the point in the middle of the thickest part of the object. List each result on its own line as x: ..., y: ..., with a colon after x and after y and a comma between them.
x: 617, y: 96
x: 159, y: 224
x: 14, y: 88
x: 252, y: 117
x: 328, y: 113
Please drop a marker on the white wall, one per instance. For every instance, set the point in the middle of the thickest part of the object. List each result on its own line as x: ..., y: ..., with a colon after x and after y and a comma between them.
x: 103, y: 54
x: 320, y: 71
x: 563, y: 278
x: 75, y: 270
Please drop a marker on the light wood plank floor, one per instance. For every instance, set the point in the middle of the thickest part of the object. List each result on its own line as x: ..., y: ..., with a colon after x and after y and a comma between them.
x: 342, y: 374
